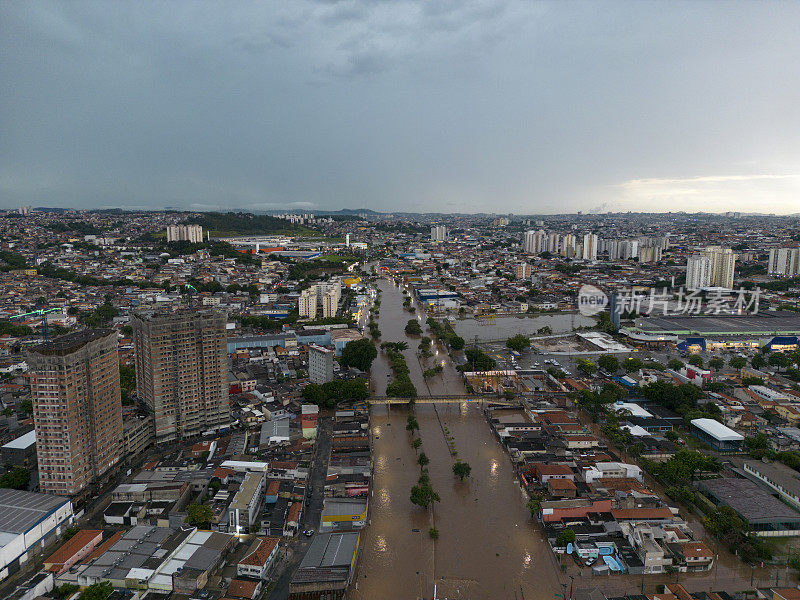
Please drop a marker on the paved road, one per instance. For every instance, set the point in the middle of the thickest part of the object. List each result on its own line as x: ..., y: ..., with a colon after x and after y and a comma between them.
x: 298, y: 547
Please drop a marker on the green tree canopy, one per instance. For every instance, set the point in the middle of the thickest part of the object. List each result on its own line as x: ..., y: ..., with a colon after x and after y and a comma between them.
x: 359, y: 354
x: 199, y: 515
x: 15, y: 479
x: 608, y: 362
x: 461, y: 469
x: 518, y: 343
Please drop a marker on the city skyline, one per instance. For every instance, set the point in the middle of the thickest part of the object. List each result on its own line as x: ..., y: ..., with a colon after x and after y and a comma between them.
x: 471, y: 107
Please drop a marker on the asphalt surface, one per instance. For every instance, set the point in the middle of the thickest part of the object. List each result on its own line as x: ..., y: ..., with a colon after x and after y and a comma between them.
x: 296, y: 549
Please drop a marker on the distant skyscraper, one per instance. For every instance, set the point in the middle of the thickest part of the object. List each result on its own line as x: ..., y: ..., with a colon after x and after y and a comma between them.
x: 649, y: 254
x: 528, y: 242
x: 535, y: 242
x: 784, y: 262
x: 553, y: 243
x: 185, y: 233
x: 438, y: 233
x: 698, y: 272
x: 347, y: 240
x: 723, y: 263
x: 77, y: 409
x: 568, y: 243
x: 182, y: 370
x: 523, y: 271
x: 590, y: 246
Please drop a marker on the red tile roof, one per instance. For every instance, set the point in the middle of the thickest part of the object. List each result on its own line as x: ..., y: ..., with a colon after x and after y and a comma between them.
x: 260, y: 554
x: 72, y: 546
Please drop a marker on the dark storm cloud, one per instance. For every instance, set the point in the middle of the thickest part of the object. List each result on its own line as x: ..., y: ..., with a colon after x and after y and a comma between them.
x: 473, y: 106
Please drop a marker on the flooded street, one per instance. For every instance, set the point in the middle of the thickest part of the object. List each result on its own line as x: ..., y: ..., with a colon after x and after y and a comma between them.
x: 501, y: 328
x: 488, y: 547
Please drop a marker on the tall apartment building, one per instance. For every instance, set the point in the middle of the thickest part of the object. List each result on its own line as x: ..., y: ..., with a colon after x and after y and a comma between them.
x: 535, y: 242
x: 590, y: 246
x: 523, y: 271
x: 320, y: 364
x: 568, y: 243
x: 723, y: 263
x: 528, y: 243
x: 649, y: 254
x: 698, y: 272
x: 553, y: 243
x: 330, y: 303
x: 784, y: 262
x: 185, y: 233
x: 77, y: 409
x: 438, y: 233
x: 331, y: 288
x: 182, y: 370
x: 307, y: 303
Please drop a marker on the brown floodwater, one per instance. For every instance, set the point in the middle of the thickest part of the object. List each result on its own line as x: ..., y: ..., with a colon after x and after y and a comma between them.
x: 488, y: 546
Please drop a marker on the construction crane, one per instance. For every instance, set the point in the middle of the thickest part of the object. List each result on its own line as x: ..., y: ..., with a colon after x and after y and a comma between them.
x: 42, y: 312
x: 192, y: 291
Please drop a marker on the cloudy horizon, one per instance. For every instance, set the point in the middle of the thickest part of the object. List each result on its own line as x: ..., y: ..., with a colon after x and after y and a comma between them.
x: 496, y: 107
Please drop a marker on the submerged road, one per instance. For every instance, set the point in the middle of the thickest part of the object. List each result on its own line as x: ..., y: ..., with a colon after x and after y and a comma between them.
x: 488, y: 547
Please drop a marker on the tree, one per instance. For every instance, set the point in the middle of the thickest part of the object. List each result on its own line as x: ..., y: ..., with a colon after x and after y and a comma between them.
x: 434, y: 533
x: 608, y: 362
x: 461, y: 469
x: 199, y: 515
x: 413, y: 327
x: 779, y: 360
x: 758, y: 361
x: 26, y: 406
x: 534, y: 504
x: 423, y: 460
x: 359, y: 354
x: 97, y: 591
x: 423, y: 495
x: 738, y: 362
x: 16, y: 479
x: 127, y: 383
x: 696, y: 360
x: 675, y: 364
x: 65, y: 591
x: 586, y: 367
x: 632, y: 364
x: 716, y: 363
x: 416, y: 443
x: 456, y: 342
x: 412, y: 424
x: 518, y: 342
x: 478, y: 360
x: 566, y: 536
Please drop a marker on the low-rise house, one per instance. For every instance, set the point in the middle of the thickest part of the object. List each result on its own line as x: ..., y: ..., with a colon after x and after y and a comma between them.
x: 260, y: 558
x: 73, y: 550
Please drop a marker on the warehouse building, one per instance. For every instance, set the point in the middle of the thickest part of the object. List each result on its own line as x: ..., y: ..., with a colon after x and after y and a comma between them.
x: 20, y: 452
x: 717, y: 435
x: 327, y: 568
x: 28, y: 522
x: 764, y: 513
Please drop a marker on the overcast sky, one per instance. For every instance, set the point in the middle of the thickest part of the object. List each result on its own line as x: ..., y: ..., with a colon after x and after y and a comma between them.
x: 523, y: 107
